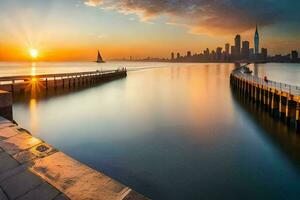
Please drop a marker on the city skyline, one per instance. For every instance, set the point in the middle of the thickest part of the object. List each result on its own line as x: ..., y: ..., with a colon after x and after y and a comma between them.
x: 121, y: 29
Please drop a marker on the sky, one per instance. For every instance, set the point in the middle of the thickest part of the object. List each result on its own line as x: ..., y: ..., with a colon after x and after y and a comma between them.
x: 73, y: 30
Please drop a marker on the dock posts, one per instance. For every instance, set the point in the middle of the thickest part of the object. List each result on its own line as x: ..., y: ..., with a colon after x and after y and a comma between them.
x: 275, y: 104
x: 69, y: 82
x: 12, y: 86
x: 282, y: 108
x: 297, y: 117
x: 276, y: 99
x: 46, y: 84
x: 55, y: 85
x: 269, y: 98
x: 291, y: 110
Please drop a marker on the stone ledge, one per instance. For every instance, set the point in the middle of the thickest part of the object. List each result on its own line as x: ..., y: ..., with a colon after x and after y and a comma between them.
x: 33, y: 169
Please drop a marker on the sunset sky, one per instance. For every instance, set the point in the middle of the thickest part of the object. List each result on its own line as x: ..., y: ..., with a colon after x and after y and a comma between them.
x: 66, y: 30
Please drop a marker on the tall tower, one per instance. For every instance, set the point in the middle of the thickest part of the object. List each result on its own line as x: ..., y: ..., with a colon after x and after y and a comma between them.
x: 237, y: 42
x: 256, y: 41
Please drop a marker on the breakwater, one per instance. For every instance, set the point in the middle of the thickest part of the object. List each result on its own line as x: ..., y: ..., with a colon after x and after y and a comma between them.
x: 281, y: 100
x: 45, y: 82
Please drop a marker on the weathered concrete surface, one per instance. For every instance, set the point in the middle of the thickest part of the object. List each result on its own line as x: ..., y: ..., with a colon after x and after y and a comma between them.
x: 76, y: 180
x: 7, y: 162
x: 18, y: 143
x: 2, y: 195
x: 32, y: 169
x: 43, y: 192
x: 20, y: 184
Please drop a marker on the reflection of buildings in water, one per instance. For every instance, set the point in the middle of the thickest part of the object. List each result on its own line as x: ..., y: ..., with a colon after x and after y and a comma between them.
x: 280, y: 134
x: 255, y: 69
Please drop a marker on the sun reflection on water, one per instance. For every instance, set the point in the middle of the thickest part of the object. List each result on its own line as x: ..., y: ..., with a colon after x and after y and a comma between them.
x: 33, y: 114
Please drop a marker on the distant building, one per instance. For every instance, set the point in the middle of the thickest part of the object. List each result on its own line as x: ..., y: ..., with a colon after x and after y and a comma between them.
x: 206, y: 54
x: 172, y: 56
x: 227, y: 47
x: 251, y: 53
x: 188, y: 54
x: 264, y: 54
x: 219, y: 53
x: 178, y: 55
x: 294, y: 56
x: 245, y: 49
x: 237, y: 42
x: 233, y: 52
x: 256, y: 42
x: 213, y: 55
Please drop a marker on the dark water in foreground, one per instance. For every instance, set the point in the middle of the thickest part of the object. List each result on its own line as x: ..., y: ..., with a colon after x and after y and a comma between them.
x: 175, y: 132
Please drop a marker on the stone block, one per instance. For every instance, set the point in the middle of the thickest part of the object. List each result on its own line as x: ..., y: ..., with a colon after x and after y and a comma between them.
x: 77, y: 180
x: 61, y: 197
x: 7, y: 162
x: 7, y: 132
x: 42, y: 192
x: 14, y: 171
x: 39, y: 151
x: 2, y: 195
x: 19, y: 142
x: 21, y: 183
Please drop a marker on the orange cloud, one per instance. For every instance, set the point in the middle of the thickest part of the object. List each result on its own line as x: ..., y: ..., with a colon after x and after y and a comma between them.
x: 208, y: 16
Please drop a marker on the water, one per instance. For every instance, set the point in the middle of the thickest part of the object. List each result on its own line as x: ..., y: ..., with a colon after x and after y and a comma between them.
x: 173, y: 131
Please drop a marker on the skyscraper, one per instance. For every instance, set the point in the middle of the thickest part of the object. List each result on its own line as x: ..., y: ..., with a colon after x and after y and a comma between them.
x: 188, y: 54
x: 256, y: 42
x: 237, y: 42
x: 264, y: 54
x: 219, y: 53
x: 172, y: 56
x: 245, y: 49
x: 227, y: 47
x: 294, y: 56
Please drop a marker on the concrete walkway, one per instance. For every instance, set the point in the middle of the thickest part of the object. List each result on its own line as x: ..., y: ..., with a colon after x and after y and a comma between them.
x: 31, y: 169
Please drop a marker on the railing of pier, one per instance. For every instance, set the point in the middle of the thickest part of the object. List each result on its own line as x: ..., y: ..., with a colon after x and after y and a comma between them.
x: 24, y: 78
x: 291, y: 89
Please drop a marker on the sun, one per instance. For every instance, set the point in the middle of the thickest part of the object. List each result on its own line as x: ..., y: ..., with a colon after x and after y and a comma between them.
x: 34, y: 53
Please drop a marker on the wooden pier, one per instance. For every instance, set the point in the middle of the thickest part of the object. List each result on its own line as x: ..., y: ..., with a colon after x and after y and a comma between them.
x: 44, y: 82
x: 281, y: 100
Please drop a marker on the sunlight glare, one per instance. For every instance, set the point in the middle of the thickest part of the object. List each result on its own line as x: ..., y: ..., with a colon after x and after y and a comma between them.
x: 33, y: 53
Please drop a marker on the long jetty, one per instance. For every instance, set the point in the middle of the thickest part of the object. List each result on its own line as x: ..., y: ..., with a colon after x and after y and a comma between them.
x: 11, y: 86
x: 281, y: 100
x: 31, y: 169
x: 20, y: 84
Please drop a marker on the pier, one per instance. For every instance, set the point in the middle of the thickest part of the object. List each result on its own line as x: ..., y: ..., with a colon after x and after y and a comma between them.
x: 34, y: 85
x: 281, y: 100
x: 44, y: 82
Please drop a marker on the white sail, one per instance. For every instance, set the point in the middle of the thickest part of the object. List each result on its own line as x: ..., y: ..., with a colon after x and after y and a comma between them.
x: 99, y: 58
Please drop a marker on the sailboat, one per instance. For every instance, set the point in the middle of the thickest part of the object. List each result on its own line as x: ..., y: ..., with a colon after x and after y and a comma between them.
x: 99, y: 58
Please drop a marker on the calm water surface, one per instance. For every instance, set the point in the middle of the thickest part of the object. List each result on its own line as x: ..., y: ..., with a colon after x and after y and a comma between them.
x: 172, y: 131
